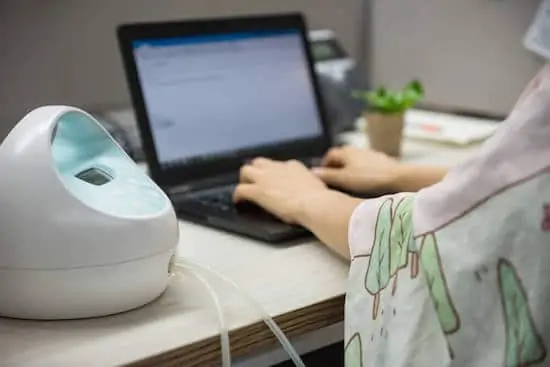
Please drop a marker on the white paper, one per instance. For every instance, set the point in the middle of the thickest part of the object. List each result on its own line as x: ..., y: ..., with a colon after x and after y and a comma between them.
x: 537, y: 38
x: 447, y: 128
x: 444, y: 127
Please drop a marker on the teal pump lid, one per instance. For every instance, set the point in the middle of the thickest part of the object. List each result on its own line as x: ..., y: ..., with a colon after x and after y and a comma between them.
x: 97, y: 171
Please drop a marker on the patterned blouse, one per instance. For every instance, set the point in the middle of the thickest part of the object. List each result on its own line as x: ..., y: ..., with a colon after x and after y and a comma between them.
x: 458, y: 274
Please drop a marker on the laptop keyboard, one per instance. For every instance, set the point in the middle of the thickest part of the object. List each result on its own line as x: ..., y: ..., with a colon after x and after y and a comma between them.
x: 221, y: 198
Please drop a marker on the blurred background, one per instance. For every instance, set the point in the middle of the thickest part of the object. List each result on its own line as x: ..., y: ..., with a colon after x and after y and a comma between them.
x: 468, y: 53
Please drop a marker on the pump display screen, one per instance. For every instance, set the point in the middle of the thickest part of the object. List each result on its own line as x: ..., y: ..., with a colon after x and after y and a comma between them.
x: 94, y: 176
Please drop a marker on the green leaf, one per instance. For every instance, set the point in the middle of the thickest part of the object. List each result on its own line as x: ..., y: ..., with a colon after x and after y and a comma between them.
x: 415, y: 86
x: 378, y: 101
x: 413, y: 93
x: 382, y: 92
x: 397, y: 101
x: 387, y: 101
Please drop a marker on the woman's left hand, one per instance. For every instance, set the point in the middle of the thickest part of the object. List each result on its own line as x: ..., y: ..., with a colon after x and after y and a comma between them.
x: 282, y: 188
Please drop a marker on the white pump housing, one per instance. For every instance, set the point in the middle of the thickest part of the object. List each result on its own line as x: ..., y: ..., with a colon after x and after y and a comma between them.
x: 84, y: 231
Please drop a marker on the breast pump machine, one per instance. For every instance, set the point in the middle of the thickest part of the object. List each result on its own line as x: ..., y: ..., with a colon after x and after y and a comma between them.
x: 84, y: 232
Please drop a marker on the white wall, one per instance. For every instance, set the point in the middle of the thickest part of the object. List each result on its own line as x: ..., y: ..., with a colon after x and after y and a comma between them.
x: 65, y: 51
x: 469, y: 53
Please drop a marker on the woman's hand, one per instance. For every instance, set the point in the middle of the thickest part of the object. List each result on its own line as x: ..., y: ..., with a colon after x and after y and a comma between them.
x: 282, y: 188
x: 366, y: 171
x: 359, y: 170
x: 291, y: 192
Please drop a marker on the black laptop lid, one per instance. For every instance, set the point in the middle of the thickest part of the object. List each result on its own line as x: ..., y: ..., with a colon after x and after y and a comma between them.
x: 211, y: 94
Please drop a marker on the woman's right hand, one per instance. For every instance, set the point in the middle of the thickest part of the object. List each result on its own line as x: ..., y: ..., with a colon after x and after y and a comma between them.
x: 366, y: 171
x: 359, y: 170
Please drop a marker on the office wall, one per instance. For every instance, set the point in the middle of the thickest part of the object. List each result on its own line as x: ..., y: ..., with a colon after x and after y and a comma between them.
x: 64, y: 51
x: 469, y: 53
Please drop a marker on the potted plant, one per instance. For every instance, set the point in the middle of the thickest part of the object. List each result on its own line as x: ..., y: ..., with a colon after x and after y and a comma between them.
x: 385, y: 115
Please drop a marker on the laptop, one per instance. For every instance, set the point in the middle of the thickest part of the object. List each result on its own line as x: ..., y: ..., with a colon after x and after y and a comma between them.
x: 209, y: 95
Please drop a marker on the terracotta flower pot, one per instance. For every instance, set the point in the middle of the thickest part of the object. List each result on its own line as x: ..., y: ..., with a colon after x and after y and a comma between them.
x: 385, y: 132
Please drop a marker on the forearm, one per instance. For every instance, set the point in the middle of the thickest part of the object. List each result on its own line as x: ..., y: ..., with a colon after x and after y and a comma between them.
x: 411, y: 178
x: 327, y: 216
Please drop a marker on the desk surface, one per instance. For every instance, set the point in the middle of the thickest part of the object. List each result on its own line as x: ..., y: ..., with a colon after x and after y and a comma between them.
x: 302, y: 286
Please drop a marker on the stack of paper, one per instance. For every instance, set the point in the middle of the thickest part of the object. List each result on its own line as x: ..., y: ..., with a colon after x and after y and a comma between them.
x: 447, y: 128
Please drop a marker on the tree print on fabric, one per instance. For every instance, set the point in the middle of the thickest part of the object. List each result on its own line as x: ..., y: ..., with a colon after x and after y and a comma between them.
x: 414, y: 258
x: 391, y: 247
x: 353, y: 352
x: 430, y: 262
x: 545, y: 225
x: 524, y: 345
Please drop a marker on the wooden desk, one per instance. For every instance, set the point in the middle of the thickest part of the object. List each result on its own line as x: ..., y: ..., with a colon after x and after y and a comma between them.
x: 302, y: 286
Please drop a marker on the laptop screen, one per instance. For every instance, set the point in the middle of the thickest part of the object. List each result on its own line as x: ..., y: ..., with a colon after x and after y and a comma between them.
x: 212, y: 96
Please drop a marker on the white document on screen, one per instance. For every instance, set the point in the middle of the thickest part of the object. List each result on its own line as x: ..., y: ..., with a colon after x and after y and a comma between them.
x: 537, y: 38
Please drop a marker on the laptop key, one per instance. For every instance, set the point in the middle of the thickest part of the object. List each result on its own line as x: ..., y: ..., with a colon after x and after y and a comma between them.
x: 220, y: 198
